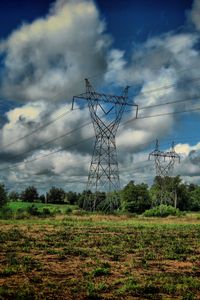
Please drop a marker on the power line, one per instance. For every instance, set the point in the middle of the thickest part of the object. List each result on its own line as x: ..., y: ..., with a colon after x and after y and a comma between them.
x: 48, y: 154
x: 86, y: 139
x: 164, y: 87
x: 170, y: 102
x: 37, y: 129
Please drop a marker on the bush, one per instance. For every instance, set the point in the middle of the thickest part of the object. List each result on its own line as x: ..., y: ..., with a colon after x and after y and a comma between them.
x: 6, y: 213
x: 46, y: 212
x: 33, y: 210
x: 68, y: 210
x: 21, y: 214
x: 163, y: 211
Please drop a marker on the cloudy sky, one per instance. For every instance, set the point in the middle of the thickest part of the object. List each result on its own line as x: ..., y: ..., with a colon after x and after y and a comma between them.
x: 47, y: 48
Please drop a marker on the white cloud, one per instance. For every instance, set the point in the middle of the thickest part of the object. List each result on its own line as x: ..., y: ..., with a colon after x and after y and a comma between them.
x: 47, y: 60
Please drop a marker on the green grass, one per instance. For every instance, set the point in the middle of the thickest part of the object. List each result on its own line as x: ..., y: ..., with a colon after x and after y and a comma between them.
x: 15, y: 205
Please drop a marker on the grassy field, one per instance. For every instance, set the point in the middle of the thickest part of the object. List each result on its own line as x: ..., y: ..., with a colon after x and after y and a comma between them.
x: 15, y: 205
x: 100, y: 257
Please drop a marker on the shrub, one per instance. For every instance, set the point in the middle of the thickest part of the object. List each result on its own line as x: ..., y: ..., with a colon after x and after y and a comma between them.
x: 21, y: 214
x: 162, y: 211
x: 46, y: 212
x: 33, y: 210
x: 68, y: 210
x: 6, y: 213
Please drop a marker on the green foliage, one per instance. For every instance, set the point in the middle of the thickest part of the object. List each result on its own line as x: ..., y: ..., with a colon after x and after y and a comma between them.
x: 162, y: 210
x: 101, y: 271
x: 33, y: 210
x: 72, y: 197
x: 30, y: 194
x: 84, y: 198
x: 56, y: 195
x: 194, y: 204
x: 68, y: 210
x: 13, y: 196
x: 6, y: 213
x: 170, y: 191
x: 3, y: 195
x: 135, y: 197
x: 109, y: 202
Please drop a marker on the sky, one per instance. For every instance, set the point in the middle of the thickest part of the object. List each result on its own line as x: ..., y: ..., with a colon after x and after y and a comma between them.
x: 47, y: 48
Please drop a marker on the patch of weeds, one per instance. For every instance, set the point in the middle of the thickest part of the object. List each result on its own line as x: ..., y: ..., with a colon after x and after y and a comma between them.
x: 25, y: 292
x: 150, y: 255
x: 75, y: 251
x: 12, y: 259
x: 61, y: 255
x: 92, y: 292
x: 189, y: 296
x: 130, y: 285
x: 52, y: 251
x: 114, y: 252
x: 35, y: 279
x: 101, y: 271
x: 8, y: 271
x: 144, y: 263
x: 102, y: 287
x: 12, y: 235
x: 30, y: 263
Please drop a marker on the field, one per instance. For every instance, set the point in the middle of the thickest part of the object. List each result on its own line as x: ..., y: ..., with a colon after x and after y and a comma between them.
x: 100, y: 257
x: 15, y: 205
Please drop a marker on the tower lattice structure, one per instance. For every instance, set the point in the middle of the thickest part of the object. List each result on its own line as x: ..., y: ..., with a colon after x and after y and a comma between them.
x: 164, y: 164
x: 164, y: 161
x: 106, y: 112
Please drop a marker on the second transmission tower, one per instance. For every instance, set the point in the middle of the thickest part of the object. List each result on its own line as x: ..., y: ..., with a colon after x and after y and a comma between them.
x: 164, y: 164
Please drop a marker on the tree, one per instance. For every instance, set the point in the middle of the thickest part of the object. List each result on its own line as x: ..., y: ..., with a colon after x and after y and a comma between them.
x: 84, y: 199
x: 72, y: 197
x: 30, y: 194
x: 42, y: 198
x: 56, y: 195
x: 170, y: 191
x: 13, y: 196
x: 194, y: 204
x: 3, y: 195
x: 135, y: 197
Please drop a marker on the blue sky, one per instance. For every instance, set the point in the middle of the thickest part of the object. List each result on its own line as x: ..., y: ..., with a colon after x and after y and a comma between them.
x: 48, y: 47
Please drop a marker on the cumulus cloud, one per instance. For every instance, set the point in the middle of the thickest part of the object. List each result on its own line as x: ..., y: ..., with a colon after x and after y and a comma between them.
x: 47, y: 60
x: 65, y: 128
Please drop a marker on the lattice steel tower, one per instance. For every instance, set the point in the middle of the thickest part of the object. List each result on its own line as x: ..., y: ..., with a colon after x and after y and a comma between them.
x: 106, y: 112
x: 164, y: 161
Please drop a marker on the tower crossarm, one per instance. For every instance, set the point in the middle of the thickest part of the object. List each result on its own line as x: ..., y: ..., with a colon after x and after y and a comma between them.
x: 92, y: 95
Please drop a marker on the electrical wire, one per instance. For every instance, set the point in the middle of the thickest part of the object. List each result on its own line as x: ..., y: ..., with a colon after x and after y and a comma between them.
x: 89, y: 138
x: 37, y: 129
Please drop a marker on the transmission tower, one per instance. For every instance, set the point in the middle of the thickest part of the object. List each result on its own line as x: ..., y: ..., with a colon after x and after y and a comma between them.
x: 164, y: 161
x: 164, y: 164
x: 106, y: 112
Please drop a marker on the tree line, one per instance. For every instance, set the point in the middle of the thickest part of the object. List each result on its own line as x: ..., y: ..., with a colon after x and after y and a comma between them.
x: 133, y: 198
